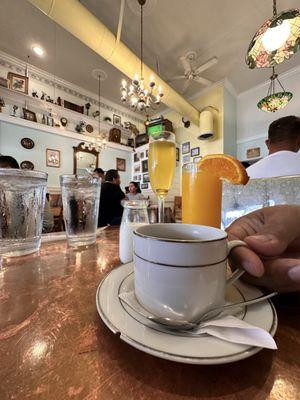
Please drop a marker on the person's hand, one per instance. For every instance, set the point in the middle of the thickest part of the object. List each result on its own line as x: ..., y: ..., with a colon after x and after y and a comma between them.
x: 273, y: 257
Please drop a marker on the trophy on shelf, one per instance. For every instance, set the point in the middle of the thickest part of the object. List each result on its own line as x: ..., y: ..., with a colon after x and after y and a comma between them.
x: 14, y: 112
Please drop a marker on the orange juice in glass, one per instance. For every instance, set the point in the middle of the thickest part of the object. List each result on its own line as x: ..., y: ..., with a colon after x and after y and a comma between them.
x: 201, y: 196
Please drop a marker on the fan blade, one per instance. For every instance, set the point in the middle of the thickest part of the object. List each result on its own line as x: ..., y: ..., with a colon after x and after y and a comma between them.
x: 203, y: 81
x: 206, y: 65
x: 186, y: 64
x: 185, y: 86
x: 176, y: 78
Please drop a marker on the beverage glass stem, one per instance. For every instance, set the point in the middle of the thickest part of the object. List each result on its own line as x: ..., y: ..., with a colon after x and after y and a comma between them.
x: 161, y: 209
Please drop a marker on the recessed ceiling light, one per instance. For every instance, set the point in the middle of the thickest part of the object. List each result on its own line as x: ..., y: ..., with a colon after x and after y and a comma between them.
x: 38, y: 50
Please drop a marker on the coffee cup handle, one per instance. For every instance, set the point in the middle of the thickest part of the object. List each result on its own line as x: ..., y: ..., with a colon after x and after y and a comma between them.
x: 239, y: 272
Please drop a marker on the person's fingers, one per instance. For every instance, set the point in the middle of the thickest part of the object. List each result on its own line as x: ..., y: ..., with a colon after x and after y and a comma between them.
x: 242, y: 257
x: 282, y: 275
x: 268, y: 244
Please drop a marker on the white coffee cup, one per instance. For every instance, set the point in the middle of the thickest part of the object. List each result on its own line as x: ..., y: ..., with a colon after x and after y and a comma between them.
x: 180, y: 269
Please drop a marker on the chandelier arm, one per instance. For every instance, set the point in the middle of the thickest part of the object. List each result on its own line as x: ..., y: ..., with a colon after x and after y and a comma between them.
x: 274, y: 8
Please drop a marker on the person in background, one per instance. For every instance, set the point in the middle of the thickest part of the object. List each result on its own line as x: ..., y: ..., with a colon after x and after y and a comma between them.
x: 99, y: 173
x: 134, y: 192
x: 48, y: 220
x: 283, y: 144
x: 272, y: 258
x: 111, y: 209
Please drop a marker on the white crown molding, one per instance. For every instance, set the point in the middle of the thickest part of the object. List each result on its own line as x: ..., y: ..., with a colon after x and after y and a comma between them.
x: 284, y: 75
x: 38, y: 74
x: 250, y: 139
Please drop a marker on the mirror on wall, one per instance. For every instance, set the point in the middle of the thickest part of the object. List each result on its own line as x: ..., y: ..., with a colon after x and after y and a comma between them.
x: 85, y: 159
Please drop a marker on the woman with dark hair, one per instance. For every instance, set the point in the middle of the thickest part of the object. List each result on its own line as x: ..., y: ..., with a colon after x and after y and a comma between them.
x: 134, y: 192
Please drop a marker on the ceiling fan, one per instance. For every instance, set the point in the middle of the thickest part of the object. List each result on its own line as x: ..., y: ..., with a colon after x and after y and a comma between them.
x: 192, y: 73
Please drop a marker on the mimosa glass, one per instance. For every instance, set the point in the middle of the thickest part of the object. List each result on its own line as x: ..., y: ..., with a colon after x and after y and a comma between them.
x: 201, y: 197
x: 161, y: 166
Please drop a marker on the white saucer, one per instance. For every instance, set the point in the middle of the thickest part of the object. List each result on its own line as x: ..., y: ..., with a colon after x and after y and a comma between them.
x: 171, y: 345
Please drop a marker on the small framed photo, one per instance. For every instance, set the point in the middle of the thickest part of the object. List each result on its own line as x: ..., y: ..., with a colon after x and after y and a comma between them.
x: 186, y: 159
x: 146, y: 178
x: 177, y: 154
x: 17, y: 82
x: 144, y: 186
x: 147, y: 152
x: 185, y: 148
x: 121, y: 164
x: 145, y: 166
x: 29, y: 115
x: 116, y: 120
x: 195, y: 152
x: 138, y: 178
x: 142, y: 154
x: 136, y: 157
x: 197, y: 159
x: 137, y: 168
x: 52, y: 158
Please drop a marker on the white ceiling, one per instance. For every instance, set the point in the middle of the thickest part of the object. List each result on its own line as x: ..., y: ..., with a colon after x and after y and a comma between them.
x: 221, y: 28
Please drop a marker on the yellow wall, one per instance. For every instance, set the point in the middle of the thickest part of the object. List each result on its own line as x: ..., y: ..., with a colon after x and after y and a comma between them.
x: 212, y: 97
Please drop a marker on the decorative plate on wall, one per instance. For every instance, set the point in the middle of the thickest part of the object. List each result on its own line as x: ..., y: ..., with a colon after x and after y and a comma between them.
x: 89, y: 128
x: 27, y: 165
x: 27, y: 143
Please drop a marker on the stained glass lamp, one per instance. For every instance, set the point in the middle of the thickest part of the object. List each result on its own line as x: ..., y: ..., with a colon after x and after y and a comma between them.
x: 274, y: 100
x: 278, y: 39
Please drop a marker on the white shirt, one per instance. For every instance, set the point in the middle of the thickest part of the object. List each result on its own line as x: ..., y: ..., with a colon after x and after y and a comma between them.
x: 281, y: 163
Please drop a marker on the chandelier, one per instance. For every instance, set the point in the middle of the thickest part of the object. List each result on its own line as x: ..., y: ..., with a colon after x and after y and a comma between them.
x: 139, y: 95
x: 274, y: 100
x: 278, y: 39
x: 101, y: 137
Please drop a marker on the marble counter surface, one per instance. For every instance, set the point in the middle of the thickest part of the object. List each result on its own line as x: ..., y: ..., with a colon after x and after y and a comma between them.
x: 53, y: 344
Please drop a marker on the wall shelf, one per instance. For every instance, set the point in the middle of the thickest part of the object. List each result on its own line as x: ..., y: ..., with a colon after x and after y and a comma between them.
x: 45, y: 107
x: 59, y: 131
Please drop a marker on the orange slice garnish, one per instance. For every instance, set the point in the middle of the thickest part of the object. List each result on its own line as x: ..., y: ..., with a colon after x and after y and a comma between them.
x: 225, y: 167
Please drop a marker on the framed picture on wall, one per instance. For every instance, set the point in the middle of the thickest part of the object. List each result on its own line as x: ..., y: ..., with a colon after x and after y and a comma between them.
x: 144, y: 186
x: 121, y: 164
x: 146, y: 178
x: 52, y: 158
x: 197, y: 159
x: 18, y: 83
x: 185, y: 149
x: 186, y: 159
x: 137, y: 168
x: 195, y: 152
x: 116, y: 120
x: 177, y: 154
x: 136, y: 157
x: 145, y: 166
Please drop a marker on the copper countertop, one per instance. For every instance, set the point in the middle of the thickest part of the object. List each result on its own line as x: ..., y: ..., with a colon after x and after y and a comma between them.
x: 53, y: 344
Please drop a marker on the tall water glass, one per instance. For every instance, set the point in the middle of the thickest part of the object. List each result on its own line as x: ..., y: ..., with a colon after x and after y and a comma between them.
x: 80, y: 195
x: 201, y: 197
x: 22, y: 199
x: 161, y: 166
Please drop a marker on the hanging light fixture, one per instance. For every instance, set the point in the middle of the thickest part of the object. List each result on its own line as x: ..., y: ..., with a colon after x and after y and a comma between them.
x: 274, y: 100
x: 139, y: 96
x: 278, y: 39
x: 101, y: 137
